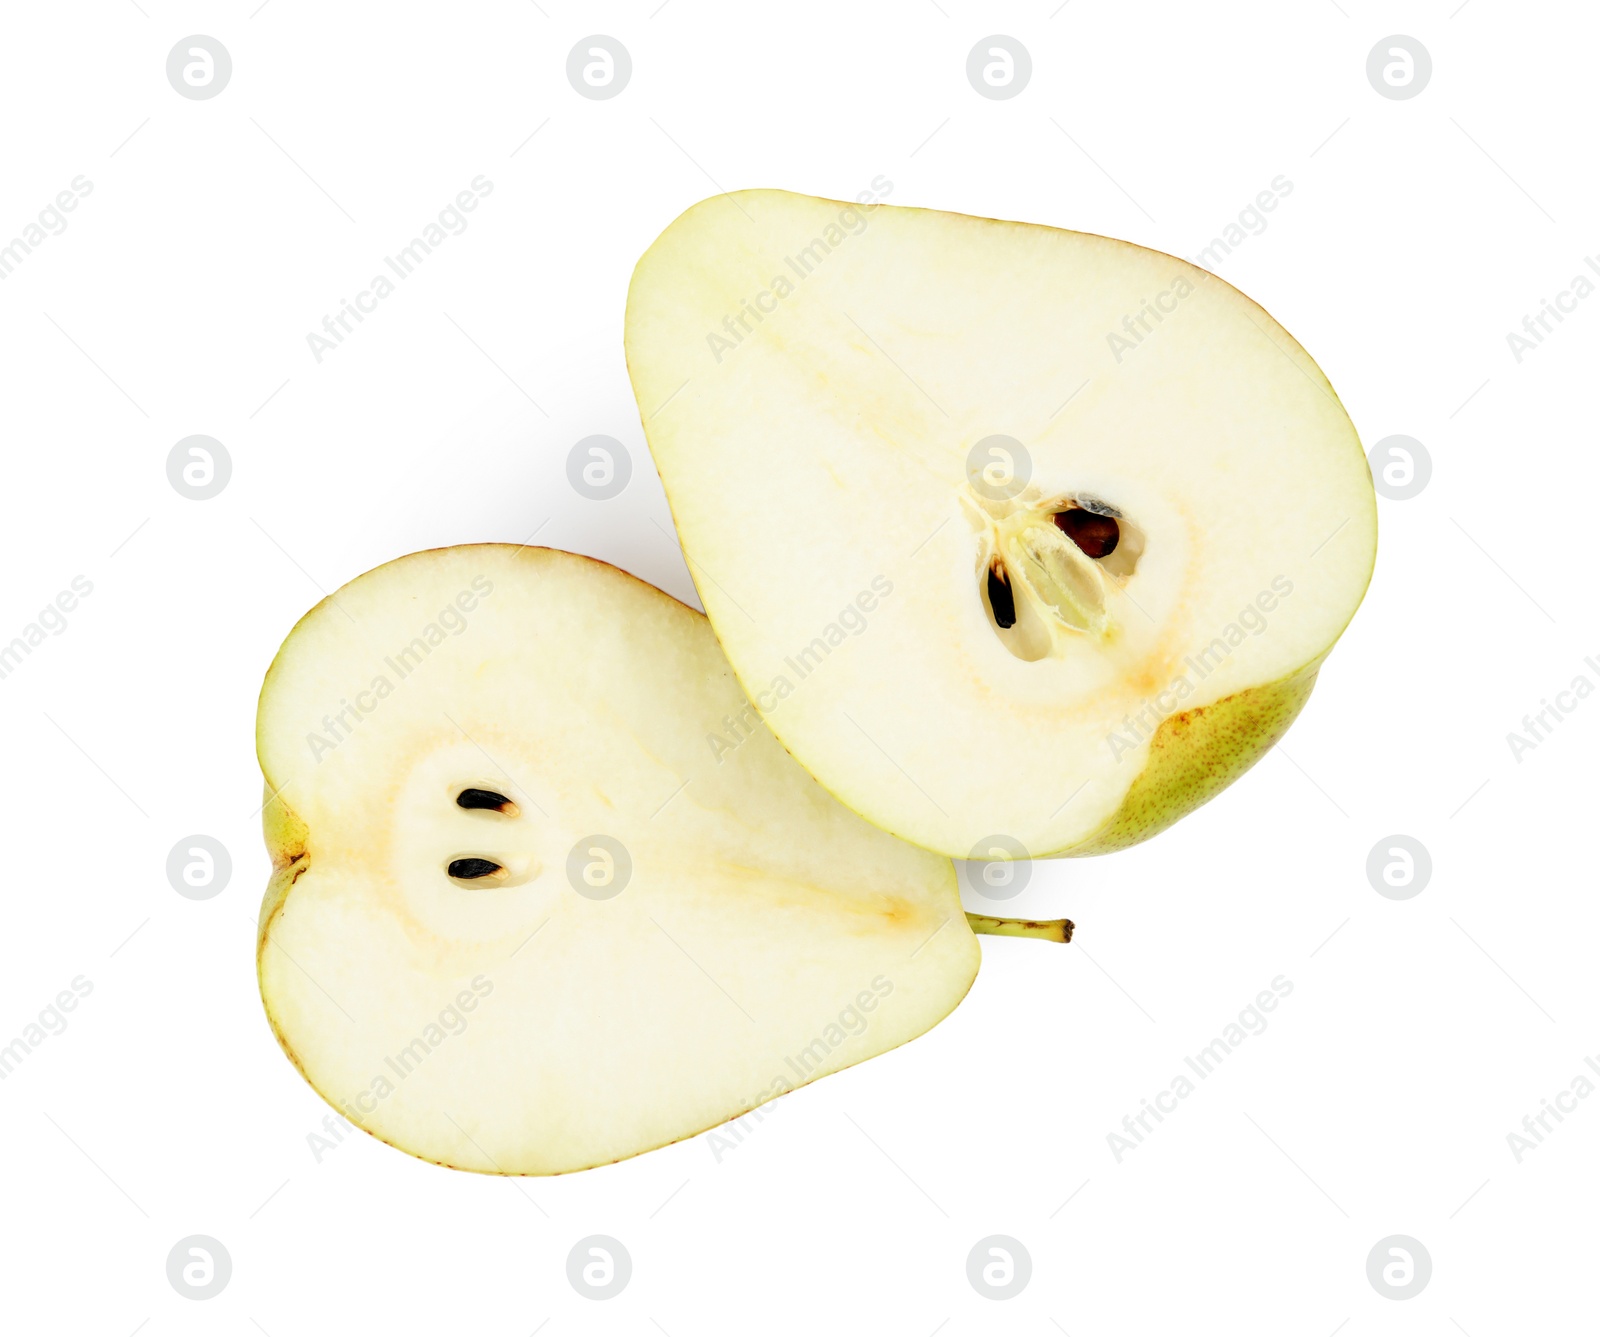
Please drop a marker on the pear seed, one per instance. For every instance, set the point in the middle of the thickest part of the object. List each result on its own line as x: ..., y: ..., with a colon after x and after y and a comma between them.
x: 486, y: 798
x: 1001, y: 599
x: 1095, y: 533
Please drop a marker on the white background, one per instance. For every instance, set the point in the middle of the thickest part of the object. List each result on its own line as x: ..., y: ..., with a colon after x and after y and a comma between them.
x: 1419, y: 1033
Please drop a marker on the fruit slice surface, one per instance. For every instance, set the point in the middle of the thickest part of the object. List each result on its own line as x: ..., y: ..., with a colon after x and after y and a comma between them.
x: 528, y: 916
x: 1022, y: 540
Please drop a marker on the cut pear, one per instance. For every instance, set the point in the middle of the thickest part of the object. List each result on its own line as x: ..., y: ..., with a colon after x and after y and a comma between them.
x: 1005, y: 529
x: 526, y: 917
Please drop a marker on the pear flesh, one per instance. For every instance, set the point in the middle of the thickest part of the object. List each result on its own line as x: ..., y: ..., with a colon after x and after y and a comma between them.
x: 525, y: 918
x: 1023, y: 541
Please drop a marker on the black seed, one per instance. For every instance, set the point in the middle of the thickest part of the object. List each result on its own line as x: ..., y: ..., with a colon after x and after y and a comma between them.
x: 1000, y: 598
x: 1094, y: 533
x: 485, y: 798
x: 467, y: 869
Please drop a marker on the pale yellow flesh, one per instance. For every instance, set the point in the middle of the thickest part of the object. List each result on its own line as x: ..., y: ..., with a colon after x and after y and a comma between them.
x: 768, y: 936
x: 812, y: 377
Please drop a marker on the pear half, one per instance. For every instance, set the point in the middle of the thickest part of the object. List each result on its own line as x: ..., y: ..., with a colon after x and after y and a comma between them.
x: 522, y: 919
x: 1024, y: 542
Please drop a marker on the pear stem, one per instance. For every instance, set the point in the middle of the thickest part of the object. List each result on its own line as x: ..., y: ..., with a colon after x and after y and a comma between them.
x: 1047, y: 930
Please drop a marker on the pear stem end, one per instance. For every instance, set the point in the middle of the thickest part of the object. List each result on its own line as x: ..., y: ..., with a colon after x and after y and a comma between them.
x: 1047, y: 930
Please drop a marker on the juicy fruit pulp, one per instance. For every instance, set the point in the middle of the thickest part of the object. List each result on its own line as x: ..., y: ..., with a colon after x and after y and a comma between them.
x: 523, y: 918
x: 1093, y: 519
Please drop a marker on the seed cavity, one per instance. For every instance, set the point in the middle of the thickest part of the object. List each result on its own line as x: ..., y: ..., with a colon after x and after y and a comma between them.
x: 468, y: 870
x: 1001, y: 601
x: 1095, y: 531
x: 1063, y: 580
x: 1099, y: 507
x: 1052, y: 567
x: 488, y: 800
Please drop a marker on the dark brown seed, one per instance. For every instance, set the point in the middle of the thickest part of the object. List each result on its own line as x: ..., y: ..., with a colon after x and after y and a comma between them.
x: 467, y: 869
x: 485, y: 798
x: 1001, y: 599
x: 1095, y: 534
